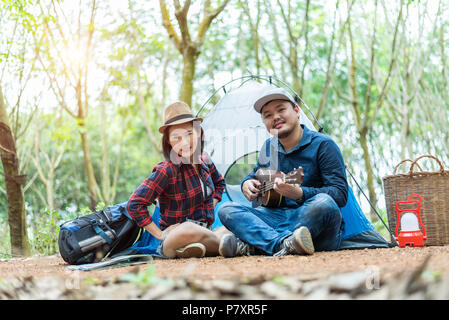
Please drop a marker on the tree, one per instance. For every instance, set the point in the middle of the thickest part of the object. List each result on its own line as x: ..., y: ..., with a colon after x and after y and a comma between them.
x: 46, y: 162
x: 330, y: 64
x: 189, y: 48
x: 360, y: 99
x: 108, y: 185
x: 17, y: 68
x: 295, y: 33
x: 405, y: 96
x: 13, y: 182
x: 74, y: 71
x: 133, y: 62
x: 254, y: 25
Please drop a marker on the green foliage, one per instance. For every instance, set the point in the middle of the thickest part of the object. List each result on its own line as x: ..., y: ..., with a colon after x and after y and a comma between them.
x: 100, y: 206
x: 279, y: 279
x: 379, y: 226
x: 5, y: 244
x: 144, y: 278
x: 45, y: 230
x: 241, y: 169
x: 431, y: 275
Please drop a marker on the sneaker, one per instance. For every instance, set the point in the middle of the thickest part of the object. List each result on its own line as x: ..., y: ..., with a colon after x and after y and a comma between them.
x: 193, y: 250
x: 231, y: 246
x: 300, y: 242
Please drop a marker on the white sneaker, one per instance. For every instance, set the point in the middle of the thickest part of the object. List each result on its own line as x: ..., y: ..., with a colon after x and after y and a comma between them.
x: 193, y: 250
x: 300, y: 242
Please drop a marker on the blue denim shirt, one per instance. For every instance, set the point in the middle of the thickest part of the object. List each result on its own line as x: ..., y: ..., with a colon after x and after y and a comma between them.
x: 318, y: 155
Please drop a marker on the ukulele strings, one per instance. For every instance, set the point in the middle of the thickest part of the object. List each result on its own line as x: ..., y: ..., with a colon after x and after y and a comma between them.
x: 269, y: 185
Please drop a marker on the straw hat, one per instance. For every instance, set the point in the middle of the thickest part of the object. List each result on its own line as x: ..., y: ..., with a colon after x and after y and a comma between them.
x: 177, y: 113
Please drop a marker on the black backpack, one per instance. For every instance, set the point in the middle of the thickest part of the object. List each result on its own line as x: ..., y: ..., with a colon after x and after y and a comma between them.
x: 96, y: 236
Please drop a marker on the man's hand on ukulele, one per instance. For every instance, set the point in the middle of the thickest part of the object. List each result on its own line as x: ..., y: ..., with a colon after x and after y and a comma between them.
x: 293, y: 191
x: 250, y: 189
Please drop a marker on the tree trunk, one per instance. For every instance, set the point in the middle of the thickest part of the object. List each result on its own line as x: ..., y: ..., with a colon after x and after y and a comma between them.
x: 16, y: 207
x: 362, y: 127
x: 190, y: 49
x: 13, y: 182
x: 330, y: 69
x: 91, y: 181
x: 296, y: 82
x: 50, y: 191
x: 188, y: 74
x: 105, y: 174
x: 369, y: 171
x: 406, y: 150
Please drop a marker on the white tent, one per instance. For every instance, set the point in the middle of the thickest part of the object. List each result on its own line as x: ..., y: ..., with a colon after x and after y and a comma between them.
x: 234, y: 129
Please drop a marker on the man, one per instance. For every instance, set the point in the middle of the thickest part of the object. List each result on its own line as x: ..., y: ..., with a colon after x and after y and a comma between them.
x: 308, y: 218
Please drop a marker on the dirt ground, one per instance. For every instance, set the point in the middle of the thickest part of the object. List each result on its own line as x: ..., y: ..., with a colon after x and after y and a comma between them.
x: 388, y: 262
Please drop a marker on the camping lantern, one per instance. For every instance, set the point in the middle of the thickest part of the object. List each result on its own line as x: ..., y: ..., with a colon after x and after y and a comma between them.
x: 410, y: 220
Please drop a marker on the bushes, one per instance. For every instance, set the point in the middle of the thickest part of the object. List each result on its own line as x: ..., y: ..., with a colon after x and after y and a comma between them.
x: 5, y: 243
x: 43, y: 230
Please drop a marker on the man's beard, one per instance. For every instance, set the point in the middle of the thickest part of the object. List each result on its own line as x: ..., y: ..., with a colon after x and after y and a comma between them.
x: 284, y: 134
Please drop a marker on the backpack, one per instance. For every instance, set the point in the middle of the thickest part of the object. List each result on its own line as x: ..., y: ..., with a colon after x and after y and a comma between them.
x: 96, y: 236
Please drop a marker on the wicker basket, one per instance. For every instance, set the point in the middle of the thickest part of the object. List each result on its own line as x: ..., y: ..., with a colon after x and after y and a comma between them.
x: 433, y: 187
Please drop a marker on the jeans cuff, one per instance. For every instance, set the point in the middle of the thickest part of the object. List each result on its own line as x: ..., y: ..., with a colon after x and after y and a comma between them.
x: 278, y: 245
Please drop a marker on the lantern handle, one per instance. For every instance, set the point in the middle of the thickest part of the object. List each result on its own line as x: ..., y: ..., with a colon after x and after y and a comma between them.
x: 415, y: 195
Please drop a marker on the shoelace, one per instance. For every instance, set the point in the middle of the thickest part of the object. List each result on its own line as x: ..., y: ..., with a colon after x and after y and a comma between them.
x: 243, y: 248
x: 286, y: 247
x: 281, y: 252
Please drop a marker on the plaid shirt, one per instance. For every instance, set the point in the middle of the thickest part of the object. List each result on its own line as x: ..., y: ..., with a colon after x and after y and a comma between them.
x: 179, y: 198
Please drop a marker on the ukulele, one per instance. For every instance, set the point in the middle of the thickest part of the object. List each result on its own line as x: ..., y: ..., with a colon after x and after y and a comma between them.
x: 268, y: 196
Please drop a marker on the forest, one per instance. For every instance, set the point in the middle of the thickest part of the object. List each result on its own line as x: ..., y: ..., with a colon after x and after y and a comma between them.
x: 83, y: 86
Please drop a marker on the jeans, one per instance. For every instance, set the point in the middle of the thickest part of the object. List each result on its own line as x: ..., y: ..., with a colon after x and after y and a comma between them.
x: 266, y: 228
x: 159, y: 253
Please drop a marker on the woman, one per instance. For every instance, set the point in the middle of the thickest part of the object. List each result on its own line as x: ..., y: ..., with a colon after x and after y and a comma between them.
x: 187, y: 186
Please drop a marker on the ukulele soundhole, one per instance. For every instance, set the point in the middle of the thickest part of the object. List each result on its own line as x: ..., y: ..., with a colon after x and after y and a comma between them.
x: 269, y: 197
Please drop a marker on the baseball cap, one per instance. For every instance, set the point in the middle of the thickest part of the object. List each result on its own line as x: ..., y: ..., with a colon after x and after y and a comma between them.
x: 271, y: 94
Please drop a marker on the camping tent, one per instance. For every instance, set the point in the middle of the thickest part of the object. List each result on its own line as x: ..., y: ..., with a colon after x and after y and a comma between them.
x: 233, y: 129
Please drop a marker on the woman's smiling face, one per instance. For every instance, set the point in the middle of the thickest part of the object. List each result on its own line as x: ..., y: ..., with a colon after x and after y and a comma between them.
x: 183, y: 138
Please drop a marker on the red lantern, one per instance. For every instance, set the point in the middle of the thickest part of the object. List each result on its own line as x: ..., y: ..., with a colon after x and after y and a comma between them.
x: 410, y: 220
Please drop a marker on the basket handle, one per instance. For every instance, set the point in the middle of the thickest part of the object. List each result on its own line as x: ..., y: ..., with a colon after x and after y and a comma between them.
x: 426, y: 156
x: 397, y: 166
